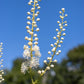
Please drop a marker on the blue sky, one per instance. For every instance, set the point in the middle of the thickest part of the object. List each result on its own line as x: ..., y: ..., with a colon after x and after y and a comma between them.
x: 13, y: 20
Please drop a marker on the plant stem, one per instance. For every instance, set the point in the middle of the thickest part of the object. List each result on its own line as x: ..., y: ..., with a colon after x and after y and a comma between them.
x: 33, y: 19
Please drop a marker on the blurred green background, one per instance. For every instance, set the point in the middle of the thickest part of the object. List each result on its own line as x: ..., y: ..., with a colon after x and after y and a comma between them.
x: 69, y: 71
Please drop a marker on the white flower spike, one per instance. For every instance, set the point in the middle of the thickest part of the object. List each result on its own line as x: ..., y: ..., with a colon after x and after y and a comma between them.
x: 59, y: 39
x: 31, y: 50
x: 1, y: 64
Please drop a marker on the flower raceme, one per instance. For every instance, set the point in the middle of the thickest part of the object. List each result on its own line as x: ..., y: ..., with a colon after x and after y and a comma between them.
x: 55, y: 47
x: 35, y: 49
x: 1, y: 64
x: 31, y: 50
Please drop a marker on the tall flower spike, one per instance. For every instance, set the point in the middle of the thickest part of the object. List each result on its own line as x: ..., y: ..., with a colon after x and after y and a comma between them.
x: 58, y: 41
x: 31, y: 50
x: 1, y: 64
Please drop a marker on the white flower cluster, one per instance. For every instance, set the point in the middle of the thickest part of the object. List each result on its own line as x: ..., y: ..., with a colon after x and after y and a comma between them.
x: 1, y: 64
x: 32, y: 50
x: 24, y: 67
x: 58, y: 41
x: 27, y: 51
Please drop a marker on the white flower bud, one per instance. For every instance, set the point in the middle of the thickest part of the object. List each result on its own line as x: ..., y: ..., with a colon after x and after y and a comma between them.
x: 63, y: 29
x: 36, y: 39
x: 37, y: 29
x: 28, y: 17
x: 28, y: 22
x: 49, y: 52
x: 58, y: 36
x: 49, y: 58
x: 27, y: 27
x: 38, y: 19
x: 64, y: 34
x: 42, y: 71
x: 1, y: 65
x: 1, y: 43
x: 61, y: 41
x: 36, y: 15
x: 59, y: 51
x: 61, y: 17
x: 55, y: 43
x: 65, y: 21
x: 29, y: 3
x: 0, y: 56
x: 48, y: 68
x: 31, y: 33
x: 35, y: 35
x: 59, y: 45
x: 62, y: 38
x: 60, y: 24
x: 60, y: 12
x: 34, y: 22
x: 45, y: 61
x: 37, y: 12
x: 1, y: 59
x: 63, y: 9
x: 54, y: 37
x: 32, y: 9
x: 55, y: 60
x: 66, y: 25
x: 39, y: 72
x: 56, y: 29
x: 66, y: 15
x: 58, y: 21
x: 30, y: 43
x: 52, y: 65
x: 38, y: 7
x: 29, y: 39
x: 25, y: 47
x: 28, y: 13
x: 36, y: 43
x: 0, y: 50
x: 1, y: 53
x: 51, y: 45
x: 2, y: 72
x: 28, y: 31
x: 26, y: 38
x: 59, y: 33
x: 53, y: 50
x: 36, y: 1
x: 35, y: 25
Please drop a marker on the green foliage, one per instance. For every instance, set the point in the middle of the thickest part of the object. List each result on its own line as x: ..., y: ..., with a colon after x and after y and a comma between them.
x: 77, y: 54
x: 69, y: 71
x: 16, y: 77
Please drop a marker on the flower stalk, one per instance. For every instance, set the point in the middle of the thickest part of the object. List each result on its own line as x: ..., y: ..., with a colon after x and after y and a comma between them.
x: 33, y: 20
